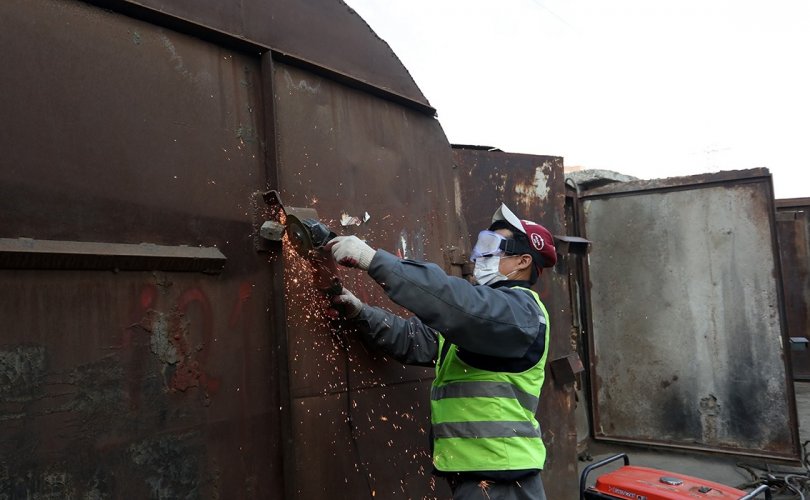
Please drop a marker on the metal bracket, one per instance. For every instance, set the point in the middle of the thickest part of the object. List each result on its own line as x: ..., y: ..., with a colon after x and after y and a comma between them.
x: 458, y: 258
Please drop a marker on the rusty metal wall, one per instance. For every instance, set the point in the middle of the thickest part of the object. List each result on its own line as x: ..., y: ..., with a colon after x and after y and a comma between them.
x: 686, y: 313
x: 140, y: 383
x: 126, y: 127
x: 533, y: 187
x: 345, y: 46
x: 342, y: 151
x: 793, y: 228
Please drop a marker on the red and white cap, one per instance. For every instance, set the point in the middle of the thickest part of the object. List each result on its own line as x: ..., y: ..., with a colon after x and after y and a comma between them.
x: 540, y: 239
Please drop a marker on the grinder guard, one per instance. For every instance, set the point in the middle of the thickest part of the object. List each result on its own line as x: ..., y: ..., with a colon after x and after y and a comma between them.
x: 309, y: 237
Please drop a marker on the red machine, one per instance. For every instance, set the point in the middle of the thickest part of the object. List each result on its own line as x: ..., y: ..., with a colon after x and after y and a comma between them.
x: 642, y: 483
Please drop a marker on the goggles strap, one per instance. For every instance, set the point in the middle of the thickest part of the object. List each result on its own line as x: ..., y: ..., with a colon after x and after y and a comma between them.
x: 515, y: 247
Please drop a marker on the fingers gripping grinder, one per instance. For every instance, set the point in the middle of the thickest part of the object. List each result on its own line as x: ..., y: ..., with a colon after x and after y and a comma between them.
x: 308, y: 237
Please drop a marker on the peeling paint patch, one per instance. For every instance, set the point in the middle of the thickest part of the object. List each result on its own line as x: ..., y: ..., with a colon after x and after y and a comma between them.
x: 174, y: 57
x: 539, y: 187
x: 22, y: 371
x: 709, y: 413
x: 411, y: 245
x: 170, y: 465
x: 170, y: 342
x: 457, y: 200
x: 301, y: 84
x: 160, y: 342
x: 180, y: 65
x: 51, y: 483
x: 98, y: 386
x: 246, y: 134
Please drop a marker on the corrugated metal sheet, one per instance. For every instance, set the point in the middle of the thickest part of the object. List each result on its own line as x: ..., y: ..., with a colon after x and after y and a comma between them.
x: 686, y: 315
x: 533, y: 187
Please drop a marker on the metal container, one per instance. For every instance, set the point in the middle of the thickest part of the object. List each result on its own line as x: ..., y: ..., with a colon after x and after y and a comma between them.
x: 150, y: 351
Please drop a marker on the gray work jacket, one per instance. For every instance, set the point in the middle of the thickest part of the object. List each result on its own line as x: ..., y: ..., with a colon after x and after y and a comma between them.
x: 499, y: 321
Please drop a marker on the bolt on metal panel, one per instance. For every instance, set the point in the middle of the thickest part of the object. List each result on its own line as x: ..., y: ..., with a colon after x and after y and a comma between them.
x: 686, y: 313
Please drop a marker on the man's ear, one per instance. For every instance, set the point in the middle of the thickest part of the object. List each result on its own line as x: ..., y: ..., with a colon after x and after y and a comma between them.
x: 525, y: 261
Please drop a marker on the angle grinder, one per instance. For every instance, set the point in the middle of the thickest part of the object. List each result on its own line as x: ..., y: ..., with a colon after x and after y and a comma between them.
x: 308, y: 237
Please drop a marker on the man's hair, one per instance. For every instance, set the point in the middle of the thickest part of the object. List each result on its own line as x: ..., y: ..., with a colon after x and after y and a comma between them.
x: 523, y: 240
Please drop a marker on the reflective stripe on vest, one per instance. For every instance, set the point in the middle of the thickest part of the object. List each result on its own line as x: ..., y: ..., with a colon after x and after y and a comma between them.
x: 485, y: 420
x: 485, y: 390
x: 486, y: 430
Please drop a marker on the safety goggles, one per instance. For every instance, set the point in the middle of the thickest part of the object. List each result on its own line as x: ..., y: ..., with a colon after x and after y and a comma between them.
x: 490, y: 244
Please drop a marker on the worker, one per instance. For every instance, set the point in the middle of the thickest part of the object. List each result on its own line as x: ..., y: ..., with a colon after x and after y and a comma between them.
x: 488, y: 342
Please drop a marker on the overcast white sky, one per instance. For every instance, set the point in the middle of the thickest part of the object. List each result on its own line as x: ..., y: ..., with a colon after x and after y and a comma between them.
x: 649, y: 88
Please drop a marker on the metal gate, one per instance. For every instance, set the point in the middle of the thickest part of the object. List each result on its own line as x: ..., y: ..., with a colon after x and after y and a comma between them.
x: 687, y: 336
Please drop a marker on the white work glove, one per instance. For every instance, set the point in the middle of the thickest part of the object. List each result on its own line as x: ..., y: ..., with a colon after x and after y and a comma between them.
x: 346, y: 304
x: 351, y: 251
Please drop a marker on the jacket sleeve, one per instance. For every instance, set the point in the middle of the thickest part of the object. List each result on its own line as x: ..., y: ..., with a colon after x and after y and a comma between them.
x: 502, y: 322
x: 408, y: 341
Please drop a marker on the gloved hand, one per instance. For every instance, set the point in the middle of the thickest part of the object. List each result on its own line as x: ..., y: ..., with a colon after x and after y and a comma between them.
x: 347, y: 305
x: 351, y: 251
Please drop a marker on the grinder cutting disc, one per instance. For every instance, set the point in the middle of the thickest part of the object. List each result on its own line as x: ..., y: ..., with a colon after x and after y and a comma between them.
x: 299, y: 236
x: 308, y: 237
x: 305, y: 231
x: 297, y: 230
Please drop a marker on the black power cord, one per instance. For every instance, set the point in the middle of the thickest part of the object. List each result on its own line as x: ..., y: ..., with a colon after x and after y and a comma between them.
x: 784, y: 484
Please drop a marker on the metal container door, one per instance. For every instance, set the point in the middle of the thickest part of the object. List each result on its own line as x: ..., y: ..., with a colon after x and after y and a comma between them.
x: 687, y: 337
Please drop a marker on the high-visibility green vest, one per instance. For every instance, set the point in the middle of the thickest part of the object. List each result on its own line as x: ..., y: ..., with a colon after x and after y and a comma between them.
x: 485, y: 420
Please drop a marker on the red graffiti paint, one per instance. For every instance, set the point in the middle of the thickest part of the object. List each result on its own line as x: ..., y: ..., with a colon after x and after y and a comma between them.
x: 245, y: 291
x: 148, y: 294
x: 189, y: 372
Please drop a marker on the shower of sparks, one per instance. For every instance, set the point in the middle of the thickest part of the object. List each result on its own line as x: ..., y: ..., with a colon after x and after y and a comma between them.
x: 320, y: 353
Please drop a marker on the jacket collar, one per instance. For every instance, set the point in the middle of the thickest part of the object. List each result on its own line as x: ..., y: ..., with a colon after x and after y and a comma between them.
x: 511, y: 283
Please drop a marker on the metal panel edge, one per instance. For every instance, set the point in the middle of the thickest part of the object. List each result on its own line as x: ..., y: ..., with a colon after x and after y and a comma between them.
x: 675, y: 183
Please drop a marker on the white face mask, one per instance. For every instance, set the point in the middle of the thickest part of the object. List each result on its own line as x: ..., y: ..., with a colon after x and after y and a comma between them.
x: 487, y: 270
